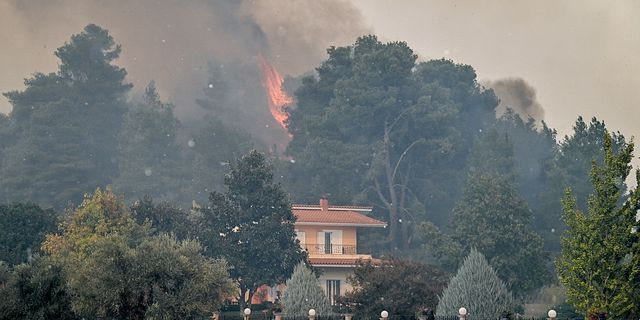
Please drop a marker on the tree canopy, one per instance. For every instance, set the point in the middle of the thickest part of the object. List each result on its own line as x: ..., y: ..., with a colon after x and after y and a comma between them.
x: 115, y: 268
x: 599, y: 264
x: 66, y: 125
x: 401, y: 287
x: 375, y: 126
x: 251, y: 225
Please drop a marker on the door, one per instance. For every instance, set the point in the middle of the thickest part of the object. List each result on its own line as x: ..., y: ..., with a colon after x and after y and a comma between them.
x: 330, y: 242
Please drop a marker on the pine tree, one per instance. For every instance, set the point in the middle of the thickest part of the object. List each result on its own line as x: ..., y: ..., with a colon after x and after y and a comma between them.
x: 65, y: 125
x: 476, y: 287
x: 599, y: 264
x: 303, y: 293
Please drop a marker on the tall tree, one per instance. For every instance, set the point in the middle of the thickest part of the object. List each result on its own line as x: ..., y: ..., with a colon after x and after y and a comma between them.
x: 304, y: 293
x: 210, y: 149
x: 375, y: 126
x: 149, y: 162
x: 478, y: 288
x: 66, y: 124
x: 492, y: 217
x: 23, y: 227
x: 251, y: 225
x: 599, y: 264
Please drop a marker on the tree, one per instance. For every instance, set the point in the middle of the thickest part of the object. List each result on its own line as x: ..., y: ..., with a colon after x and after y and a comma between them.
x: 537, y: 177
x: 66, y: 125
x: 376, y: 127
x: 577, y: 153
x: 23, y: 227
x: 150, y: 159
x: 599, y: 264
x: 116, y: 269
x: 401, y: 287
x: 477, y: 287
x: 211, y: 147
x: 303, y: 293
x: 492, y: 217
x: 251, y: 225
x: 36, y: 290
x: 164, y: 217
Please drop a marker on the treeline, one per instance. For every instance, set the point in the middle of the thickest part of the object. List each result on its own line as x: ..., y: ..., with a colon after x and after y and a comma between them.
x: 107, y: 260
x: 420, y: 141
x: 76, y: 129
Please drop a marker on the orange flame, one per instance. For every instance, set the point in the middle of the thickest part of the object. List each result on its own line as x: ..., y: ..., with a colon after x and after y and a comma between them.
x: 278, y: 99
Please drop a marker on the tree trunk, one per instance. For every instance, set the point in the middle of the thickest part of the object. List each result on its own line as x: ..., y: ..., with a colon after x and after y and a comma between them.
x: 241, y: 302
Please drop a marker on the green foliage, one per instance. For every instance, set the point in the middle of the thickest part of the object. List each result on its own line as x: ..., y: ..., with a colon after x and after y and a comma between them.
x: 476, y: 287
x: 376, y: 127
x: 578, y: 152
x: 116, y: 269
x: 493, y: 218
x: 22, y: 229
x: 401, y: 287
x: 303, y: 293
x: 599, y: 265
x: 537, y: 176
x: 251, y: 225
x: 150, y: 159
x: 65, y: 125
x: 211, y: 148
x: 35, y: 291
x: 164, y: 217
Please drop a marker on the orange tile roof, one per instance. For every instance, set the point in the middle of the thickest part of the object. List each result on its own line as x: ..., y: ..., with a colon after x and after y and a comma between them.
x: 334, y: 216
x: 339, y: 261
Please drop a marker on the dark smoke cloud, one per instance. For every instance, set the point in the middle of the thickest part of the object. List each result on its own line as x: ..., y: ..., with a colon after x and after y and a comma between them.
x: 518, y: 95
x: 171, y: 41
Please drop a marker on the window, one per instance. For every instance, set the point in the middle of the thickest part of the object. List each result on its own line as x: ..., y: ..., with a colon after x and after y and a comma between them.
x: 302, y: 237
x: 333, y: 290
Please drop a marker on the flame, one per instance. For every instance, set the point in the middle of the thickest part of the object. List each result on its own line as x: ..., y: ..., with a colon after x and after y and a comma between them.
x: 278, y: 99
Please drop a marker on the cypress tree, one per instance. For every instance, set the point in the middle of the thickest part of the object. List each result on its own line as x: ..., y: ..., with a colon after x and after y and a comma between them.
x: 303, y: 293
x: 476, y: 287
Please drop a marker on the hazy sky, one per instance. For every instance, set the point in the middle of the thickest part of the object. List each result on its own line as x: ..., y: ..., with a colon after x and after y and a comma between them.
x: 582, y: 57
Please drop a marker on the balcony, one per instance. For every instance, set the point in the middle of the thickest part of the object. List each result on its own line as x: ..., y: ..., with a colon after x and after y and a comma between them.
x: 330, y: 249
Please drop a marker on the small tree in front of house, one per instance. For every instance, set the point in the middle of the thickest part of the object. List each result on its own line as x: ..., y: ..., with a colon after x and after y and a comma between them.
x: 476, y: 287
x: 251, y: 225
x: 303, y: 293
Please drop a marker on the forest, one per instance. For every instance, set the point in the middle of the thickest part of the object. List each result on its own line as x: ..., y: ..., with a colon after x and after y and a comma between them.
x: 93, y: 169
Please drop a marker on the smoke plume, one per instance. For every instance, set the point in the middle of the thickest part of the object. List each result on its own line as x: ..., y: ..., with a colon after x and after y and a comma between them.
x: 171, y: 41
x: 518, y: 95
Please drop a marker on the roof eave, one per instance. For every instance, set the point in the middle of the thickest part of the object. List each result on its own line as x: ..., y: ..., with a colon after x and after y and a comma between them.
x: 336, y: 224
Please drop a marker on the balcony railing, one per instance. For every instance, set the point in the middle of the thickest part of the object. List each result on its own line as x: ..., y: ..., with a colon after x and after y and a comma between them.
x: 330, y: 249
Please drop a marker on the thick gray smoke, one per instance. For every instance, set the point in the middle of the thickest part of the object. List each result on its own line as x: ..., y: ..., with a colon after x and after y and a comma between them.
x: 518, y: 95
x: 171, y: 41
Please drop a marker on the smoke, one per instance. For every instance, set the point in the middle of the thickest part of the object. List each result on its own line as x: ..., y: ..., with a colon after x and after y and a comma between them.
x: 518, y: 95
x: 171, y: 41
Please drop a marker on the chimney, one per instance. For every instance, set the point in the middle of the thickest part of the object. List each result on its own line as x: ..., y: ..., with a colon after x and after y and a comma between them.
x: 324, y: 203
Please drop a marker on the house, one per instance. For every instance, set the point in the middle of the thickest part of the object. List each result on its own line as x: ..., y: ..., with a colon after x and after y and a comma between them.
x: 329, y: 234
